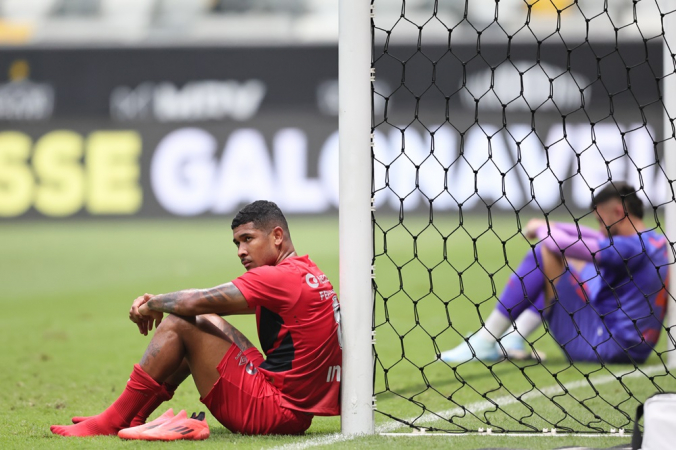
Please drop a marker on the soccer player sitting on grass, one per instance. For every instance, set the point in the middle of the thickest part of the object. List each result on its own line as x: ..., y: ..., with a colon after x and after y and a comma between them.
x: 602, y: 293
x: 298, y: 319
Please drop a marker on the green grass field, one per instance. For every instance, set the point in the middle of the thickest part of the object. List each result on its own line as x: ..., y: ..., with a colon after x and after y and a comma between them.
x: 68, y: 346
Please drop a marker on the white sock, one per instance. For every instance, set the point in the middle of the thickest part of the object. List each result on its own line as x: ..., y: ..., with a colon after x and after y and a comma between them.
x: 494, y: 327
x: 528, y: 322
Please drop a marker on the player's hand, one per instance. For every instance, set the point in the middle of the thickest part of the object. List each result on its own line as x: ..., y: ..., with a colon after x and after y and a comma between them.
x: 139, y: 319
x: 134, y: 315
x: 149, y: 317
x: 531, y: 229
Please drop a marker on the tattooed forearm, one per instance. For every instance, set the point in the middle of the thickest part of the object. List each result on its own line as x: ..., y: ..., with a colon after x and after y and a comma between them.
x: 223, y: 299
x: 175, y: 302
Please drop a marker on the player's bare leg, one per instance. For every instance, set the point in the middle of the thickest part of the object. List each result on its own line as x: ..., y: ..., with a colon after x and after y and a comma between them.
x: 202, y: 341
x: 180, y: 375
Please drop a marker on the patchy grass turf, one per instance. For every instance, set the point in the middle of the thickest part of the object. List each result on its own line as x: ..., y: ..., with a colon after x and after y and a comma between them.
x: 68, y: 346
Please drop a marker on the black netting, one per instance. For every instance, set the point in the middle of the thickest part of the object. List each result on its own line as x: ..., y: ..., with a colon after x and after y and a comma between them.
x: 487, y: 117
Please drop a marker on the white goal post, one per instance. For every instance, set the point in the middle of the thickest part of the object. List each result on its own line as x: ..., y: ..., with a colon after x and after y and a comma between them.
x: 670, y: 164
x: 356, y: 241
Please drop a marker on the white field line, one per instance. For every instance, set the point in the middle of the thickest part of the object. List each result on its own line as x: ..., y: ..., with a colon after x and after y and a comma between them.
x: 327, y: 439
x: 505, y: 400
x: 476, y: 407
x: 502, y: 435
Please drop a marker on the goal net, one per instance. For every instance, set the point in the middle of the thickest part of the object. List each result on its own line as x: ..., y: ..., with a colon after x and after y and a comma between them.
x: 486, y: 114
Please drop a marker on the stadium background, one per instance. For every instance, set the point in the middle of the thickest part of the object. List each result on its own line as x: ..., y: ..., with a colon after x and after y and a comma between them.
x: 212, y: 104
x: 220, y: 109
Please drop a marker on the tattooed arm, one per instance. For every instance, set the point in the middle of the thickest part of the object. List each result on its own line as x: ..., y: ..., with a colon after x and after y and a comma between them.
x: 225, y: 299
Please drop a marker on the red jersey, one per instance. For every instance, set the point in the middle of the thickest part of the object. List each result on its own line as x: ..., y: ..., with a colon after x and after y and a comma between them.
x: 298, y: 319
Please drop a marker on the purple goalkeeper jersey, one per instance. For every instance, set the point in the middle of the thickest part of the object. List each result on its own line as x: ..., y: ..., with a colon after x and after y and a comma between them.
x: 614, y: 307
x: 630, y: 286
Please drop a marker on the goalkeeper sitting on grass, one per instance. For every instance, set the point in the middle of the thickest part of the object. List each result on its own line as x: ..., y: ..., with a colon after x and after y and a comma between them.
x: 298, y: 318
x: 602, y: 293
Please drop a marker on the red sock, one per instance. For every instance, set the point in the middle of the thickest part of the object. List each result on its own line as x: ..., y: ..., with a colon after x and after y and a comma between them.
x: 166, y: 393
x: 136, y: 394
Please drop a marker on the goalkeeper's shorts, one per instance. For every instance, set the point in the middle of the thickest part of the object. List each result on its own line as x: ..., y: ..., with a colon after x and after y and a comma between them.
x: 245, y: 402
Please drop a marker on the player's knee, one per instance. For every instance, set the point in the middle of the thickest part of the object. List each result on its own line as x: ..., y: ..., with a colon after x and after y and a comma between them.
x: 211, y: 323
x: 210, y: 320
x: 551, y: 262
x: 204, y: 319
x: 175, y: 322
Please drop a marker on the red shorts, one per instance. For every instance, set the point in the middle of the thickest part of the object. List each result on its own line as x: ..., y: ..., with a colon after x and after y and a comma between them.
x: 245, y: 402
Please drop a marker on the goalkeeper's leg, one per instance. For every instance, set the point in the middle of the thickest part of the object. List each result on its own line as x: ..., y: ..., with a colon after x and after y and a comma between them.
x: 520, y: 305
x: 576, y: 323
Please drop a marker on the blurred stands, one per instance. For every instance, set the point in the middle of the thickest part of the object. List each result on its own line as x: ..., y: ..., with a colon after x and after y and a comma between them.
x: 284, y: 22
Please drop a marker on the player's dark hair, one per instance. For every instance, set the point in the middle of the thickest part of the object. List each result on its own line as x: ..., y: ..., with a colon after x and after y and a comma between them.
x: 263, y: 214
x: 623, y: 192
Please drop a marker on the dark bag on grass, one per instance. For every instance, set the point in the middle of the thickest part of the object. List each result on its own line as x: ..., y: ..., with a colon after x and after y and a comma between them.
x: 659, y: 423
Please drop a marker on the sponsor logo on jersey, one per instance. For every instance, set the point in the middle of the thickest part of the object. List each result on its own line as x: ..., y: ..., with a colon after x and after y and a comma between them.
x: 333, y: 374
x: 311, y: 281
x: 325, y: 295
